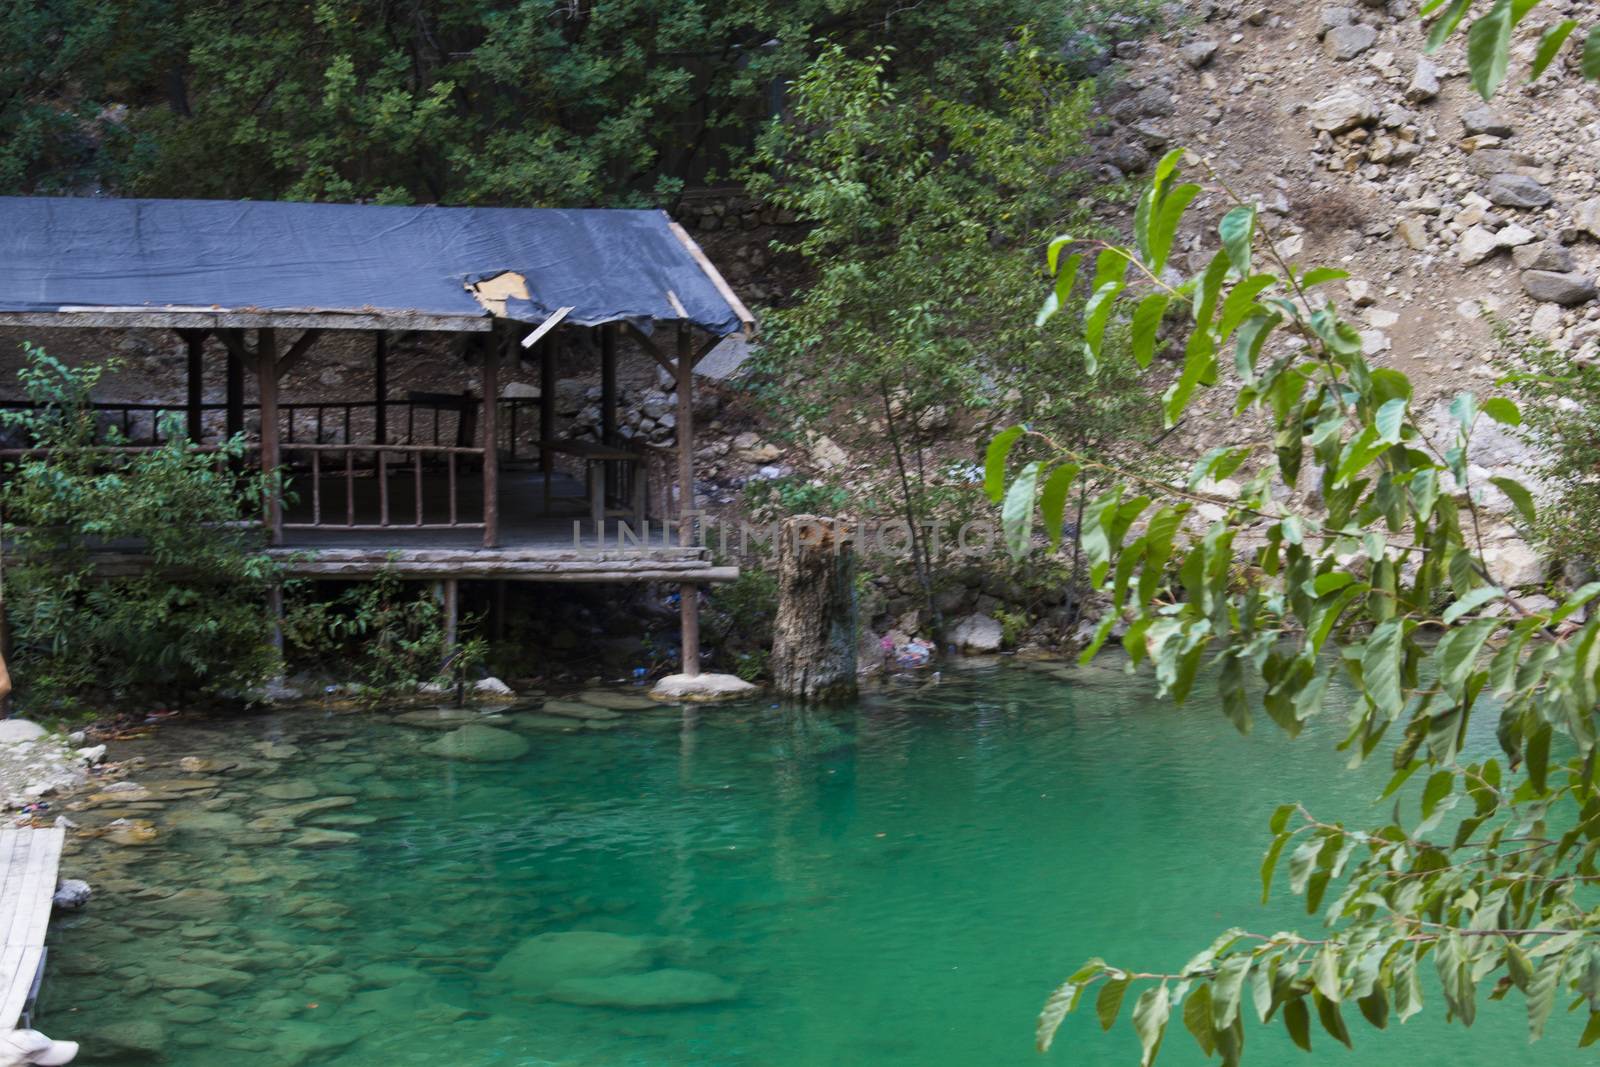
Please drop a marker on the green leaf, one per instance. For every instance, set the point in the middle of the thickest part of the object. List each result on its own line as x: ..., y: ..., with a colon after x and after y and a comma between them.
x: 1536, y: 757
x: 1146, y: 324
x: 1542, y: 991
x: 1056, y: 1007
x: 1389, y: 420
x: 1164, y: 227
x: 1240, y: 302
x: 1332, y: 1019
x: 1053, y: 500
x: 1380, y: 667
x: 1457, y: 653
x: 1269, y: 865
x: 1322, y: 276
x: 994, y: 462
x: 1238, y: 229
x: 1281, y: 816
x: 1489, y: 49
x: 1590, y: 63
x: 1472, y: 602
x: 1150, y: 1015
x: 1502, y: 411
x: 1549, y: 45
x: 1465, y: 410
x: 1447, y: 23
x: 1197, y: 1018
x: 1519, y: 496
x: 1109, y: 1003
x: 1226, y: 989
x: 1016, y: 514
x: 1297, y: 1020
x: 1440, y: 783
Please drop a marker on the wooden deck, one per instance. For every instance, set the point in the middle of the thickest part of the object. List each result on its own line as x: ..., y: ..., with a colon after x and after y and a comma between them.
x: 29, y: 862
x: 534, y: 545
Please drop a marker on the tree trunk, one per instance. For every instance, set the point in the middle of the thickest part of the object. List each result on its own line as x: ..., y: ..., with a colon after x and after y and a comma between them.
x: 814, y: 634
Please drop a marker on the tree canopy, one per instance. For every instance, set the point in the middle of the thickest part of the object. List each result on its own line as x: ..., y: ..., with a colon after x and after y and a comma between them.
x: 515, y: 102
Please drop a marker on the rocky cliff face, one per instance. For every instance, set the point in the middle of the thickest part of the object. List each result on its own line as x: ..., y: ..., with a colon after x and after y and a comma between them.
x: 1365, y: 153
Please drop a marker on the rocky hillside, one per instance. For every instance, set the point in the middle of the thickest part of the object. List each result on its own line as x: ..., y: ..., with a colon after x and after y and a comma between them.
x: 1364, y: 153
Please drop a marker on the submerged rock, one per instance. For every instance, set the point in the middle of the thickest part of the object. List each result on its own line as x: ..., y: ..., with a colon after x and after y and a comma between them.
x: 614, y: 700
x: 540, y: 963
x: 479, y: 744
x: 669, y: 988
x: 297, y: 789
x: 578, y: 709
x: 323, y: 838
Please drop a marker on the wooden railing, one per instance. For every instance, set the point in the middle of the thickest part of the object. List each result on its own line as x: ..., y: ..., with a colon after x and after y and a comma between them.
x: 377, y: 469
x: 436, y: 420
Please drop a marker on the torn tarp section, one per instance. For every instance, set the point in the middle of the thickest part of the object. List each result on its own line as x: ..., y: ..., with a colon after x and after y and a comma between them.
x: 262, y: 256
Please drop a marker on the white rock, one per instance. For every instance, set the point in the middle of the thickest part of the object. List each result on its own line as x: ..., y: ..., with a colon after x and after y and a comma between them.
x: 701, y: 688
x: 13, y: 730
x: 1342, y: 110
x: 977, y: 633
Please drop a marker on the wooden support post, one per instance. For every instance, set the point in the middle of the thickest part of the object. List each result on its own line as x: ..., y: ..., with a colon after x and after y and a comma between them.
x: 235, y: 398
x: 450, y: 590
x: 267, y: 384
x: 380, y: 388
x: 608, y: 384
x: 195, y: 342
x: 275, y: 605
x: 689, y: 593
x: 547, y: 404
x: 689, y: 616
x: 685, y: 373
x: 490, y: 350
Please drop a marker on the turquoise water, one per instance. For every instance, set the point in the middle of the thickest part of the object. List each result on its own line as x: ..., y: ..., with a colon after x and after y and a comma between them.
x: 899, y: 882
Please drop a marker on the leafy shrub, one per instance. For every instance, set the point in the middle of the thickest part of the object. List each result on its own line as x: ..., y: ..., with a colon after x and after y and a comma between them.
x: 195, y: 620
x: 390, y: 635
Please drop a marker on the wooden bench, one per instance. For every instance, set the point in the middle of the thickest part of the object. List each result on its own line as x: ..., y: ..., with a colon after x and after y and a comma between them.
x: 596, y: 458
x: 29, y: 863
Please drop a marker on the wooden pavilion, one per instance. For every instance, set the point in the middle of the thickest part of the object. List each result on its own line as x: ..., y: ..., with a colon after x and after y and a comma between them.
x: 425, y: 485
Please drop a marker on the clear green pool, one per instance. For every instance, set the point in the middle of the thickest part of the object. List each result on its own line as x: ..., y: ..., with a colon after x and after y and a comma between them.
x: 898, y: 882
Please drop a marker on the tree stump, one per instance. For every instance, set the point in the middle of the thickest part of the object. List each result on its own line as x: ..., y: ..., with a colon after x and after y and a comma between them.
x: 814, y: 634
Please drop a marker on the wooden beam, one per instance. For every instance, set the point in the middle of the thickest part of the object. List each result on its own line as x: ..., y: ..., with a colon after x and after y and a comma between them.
x: 705, y: 349
x: 199, y: 319
x: 296, y: 351
x: 490, y: 349
x: 740, y: 312
x: 546, y: 326
x: 650, y: 346
x: 608, y: 383
x: 547, y: 408
x: 195, y: 342
x: 380, y: 387
x: 239, y: 357
x: 267, y: 385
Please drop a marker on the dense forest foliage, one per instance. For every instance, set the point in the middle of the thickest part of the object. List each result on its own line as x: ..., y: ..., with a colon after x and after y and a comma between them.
x: 517, y: 102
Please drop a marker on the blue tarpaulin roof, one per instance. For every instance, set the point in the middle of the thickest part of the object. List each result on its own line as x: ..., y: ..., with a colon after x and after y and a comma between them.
x: 269, y: 256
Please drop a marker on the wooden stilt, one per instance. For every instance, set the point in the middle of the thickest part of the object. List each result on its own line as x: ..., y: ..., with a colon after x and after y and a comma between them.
x: 275, y: 605
x: 267, y: 384
x: 689, y: 592
x: 491, y: 441
x: 450, y: 589
x: 689, y: 616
